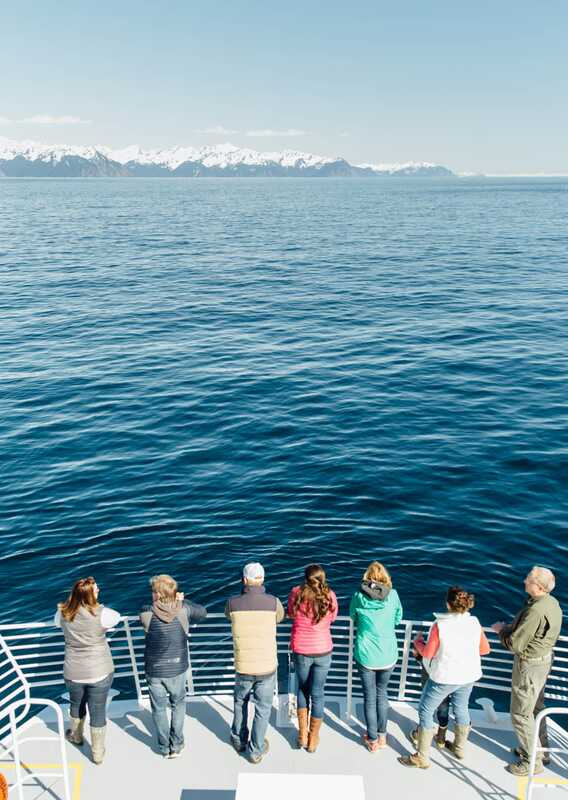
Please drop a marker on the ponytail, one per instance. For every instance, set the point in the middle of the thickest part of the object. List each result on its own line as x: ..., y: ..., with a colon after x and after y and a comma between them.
x: 459, y: 600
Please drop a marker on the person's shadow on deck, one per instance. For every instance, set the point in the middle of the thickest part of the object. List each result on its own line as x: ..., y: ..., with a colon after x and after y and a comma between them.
x: 140, y: 726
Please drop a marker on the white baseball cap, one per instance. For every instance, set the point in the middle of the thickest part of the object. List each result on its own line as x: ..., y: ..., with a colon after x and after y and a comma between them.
x: 253, y: 571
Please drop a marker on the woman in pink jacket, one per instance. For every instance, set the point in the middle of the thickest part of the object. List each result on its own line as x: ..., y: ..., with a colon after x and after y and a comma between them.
x: 312, y: 607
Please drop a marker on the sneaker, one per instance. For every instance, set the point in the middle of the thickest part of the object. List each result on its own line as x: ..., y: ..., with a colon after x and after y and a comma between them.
x: 372, y: 746
x: 239, y: 746
x: 258, y: 758
x: 521, y: 769
x: 176, y: 753
x: 545, y: 756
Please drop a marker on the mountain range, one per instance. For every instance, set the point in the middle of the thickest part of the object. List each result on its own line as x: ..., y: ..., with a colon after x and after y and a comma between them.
x: 30, y: 159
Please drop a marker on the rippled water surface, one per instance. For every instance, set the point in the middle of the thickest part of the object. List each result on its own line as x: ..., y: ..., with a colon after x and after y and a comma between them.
x: 199, y: 373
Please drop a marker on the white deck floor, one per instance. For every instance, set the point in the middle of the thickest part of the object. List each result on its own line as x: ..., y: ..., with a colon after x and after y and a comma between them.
x: 209, y: 768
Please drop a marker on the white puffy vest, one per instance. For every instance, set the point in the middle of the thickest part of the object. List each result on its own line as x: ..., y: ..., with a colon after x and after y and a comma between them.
x: 457, y: 660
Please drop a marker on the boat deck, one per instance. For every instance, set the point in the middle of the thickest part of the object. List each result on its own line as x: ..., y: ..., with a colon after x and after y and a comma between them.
x: 209, y: 768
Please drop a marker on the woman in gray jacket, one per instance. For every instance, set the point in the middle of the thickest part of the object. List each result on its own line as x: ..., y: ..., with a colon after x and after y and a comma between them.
x: 88, y: 668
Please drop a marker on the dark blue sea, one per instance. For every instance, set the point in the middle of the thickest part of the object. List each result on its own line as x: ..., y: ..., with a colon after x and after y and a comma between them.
x: 198, y: 373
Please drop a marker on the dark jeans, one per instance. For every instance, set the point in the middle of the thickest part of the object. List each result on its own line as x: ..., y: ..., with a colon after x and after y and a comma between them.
x: 91, y: 695
x: 312, y: 675
x: 164, y: 692
x: 443, y: 710
x: 376, y: 704
x: 259, y: 689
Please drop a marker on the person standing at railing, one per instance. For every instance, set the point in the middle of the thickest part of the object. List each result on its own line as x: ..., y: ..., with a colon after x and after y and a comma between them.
x: 166, y: 624
x: 376, y: 610
x: 312, y: 607
x: 531, y: 637
x: 88, y: 667
x: 254, y: 615
x: 453, y: 660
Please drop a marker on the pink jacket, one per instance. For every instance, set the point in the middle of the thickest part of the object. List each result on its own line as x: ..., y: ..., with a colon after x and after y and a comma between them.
x: 308, y: 638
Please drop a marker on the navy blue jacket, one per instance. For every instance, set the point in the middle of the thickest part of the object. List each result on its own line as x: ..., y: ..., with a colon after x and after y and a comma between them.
x: 165, y: 653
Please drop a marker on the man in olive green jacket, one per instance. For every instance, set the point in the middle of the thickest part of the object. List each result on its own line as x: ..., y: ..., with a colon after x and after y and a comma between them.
x: 531, y: 637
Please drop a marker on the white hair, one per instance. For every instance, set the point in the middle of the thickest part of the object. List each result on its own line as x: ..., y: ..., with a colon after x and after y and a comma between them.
x: 544, y: 578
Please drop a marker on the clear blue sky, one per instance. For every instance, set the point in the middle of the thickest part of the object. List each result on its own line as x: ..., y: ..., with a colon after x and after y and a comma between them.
x: 474, y: 85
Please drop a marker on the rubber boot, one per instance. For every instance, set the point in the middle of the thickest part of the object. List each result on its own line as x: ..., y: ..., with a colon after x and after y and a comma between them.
x: 440, y: 737
x: 314, y: 734
x: 302, y: 728
x: 421, y: 758
x: 98, y: 744
x: 457, y: 747
x: 74, y: 733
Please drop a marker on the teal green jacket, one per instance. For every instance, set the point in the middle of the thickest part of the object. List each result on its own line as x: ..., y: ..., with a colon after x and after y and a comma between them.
x: 375, y: 640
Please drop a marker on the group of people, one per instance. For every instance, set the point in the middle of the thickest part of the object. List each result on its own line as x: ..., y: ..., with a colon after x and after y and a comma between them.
x: 450, y: 658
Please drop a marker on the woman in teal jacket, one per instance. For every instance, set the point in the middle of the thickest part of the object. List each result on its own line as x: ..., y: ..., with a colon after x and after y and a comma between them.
x: 376, y: 611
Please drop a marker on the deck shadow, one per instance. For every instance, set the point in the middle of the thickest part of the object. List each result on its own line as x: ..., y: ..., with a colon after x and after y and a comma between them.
x: 139, y: 725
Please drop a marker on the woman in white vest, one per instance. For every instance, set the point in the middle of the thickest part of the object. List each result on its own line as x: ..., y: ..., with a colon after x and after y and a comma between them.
x: 452, y: 657
x: 88, y: 667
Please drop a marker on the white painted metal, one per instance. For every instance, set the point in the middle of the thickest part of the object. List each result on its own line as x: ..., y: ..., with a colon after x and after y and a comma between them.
x: 283, y: 786
x: 17, y: 743
x: 536, y: 748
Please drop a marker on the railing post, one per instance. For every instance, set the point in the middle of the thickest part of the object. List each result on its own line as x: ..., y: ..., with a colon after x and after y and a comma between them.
x: 189, y: 673
x: 133, y: 661
x: 16, y: 746
x: 405, y: 657
x: 64, y: 763
x: 349, y: 704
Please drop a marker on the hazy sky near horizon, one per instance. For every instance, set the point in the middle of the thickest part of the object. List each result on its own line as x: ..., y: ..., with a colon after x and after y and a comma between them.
x: 476, y: 86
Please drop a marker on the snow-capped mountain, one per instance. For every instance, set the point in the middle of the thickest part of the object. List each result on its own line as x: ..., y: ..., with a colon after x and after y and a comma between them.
x: 411, y: 168
x: 30, y: 159
x: 226, y: 159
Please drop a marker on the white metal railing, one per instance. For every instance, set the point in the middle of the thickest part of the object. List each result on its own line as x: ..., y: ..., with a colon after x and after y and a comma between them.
x: 38, y: 651
x: 15, y: 705
x: 536, y: 748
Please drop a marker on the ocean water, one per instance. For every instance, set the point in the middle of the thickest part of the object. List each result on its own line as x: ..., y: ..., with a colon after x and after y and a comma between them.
x: 199, y: 373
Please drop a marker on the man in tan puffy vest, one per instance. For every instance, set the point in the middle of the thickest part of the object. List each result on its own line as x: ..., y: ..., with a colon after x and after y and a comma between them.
x: 254, y: 615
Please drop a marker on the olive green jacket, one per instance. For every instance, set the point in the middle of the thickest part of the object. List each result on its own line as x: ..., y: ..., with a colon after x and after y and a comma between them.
x: 535, y: 629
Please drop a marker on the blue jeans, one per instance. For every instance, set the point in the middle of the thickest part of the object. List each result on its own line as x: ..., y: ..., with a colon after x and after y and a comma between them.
x: 93, y: 695
x: 443, y: 710
x: 312, y: 675
x: 259, y: 689
x: 375, y: 683
x: 163, y: 691
x: 435, y: 693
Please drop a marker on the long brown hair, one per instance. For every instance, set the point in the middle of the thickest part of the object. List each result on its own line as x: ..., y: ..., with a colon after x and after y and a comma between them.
x: 82, y: 595
x: 315, y: 593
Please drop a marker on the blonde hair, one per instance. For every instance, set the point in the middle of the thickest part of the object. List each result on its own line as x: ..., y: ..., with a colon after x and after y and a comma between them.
x: 378, y: 573
x: 164, y: 587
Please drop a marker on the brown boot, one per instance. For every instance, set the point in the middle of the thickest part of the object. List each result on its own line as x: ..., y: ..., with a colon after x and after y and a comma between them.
x: 457, y: 747
x: 440, y: 738
x: 421, y: 758
x: 302, y: 728
x: 314, y: 734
